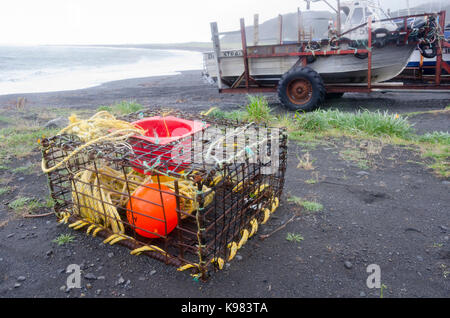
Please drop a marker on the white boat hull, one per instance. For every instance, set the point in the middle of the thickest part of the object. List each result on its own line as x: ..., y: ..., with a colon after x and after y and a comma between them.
x: 387, y: 63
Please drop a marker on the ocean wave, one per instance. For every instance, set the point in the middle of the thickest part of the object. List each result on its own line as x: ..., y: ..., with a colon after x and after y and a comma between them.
x: 101, y: 66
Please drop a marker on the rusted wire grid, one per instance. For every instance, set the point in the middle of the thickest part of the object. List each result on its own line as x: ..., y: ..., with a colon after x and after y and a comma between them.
x: 223, y: 219
x: 129, y: 196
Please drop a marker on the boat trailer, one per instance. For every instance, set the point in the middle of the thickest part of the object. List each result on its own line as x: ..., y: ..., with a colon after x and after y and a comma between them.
x: 402, y: 83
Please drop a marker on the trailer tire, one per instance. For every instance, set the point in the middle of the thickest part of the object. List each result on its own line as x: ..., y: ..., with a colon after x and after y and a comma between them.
x: 302, y: 89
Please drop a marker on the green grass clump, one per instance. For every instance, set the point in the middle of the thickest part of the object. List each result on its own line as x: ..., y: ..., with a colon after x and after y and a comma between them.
x: 436, y: 145
x: 293, y: 237
x: 122, y: 108
x: 258, y: 110
x: 19, y: 203
x: 313, y: 129
x: 437, y: 137
x: 362, y: 122
x: 105, y: 108
x: 27, y: 169
x: 19, y: 142
x: 35, y: 204
x: 312, y: 206
x: 24, y: 204
x: 236, y: 115
x: 356, y: 156
x: 4, y: 190
x: 64, y: 239
x: 312, y: 122
x: 4, y: 119
x: 126, y: 107
x: 49, y: 203
x: 307, y: 205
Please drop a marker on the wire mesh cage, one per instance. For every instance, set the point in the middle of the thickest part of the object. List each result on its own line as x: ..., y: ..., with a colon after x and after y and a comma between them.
x: 190, y: 191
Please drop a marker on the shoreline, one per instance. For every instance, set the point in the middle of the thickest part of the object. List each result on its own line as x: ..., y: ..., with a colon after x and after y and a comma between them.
x: 189, y: 46
x: 175, y: 73
x: 122, y: 62
x: 187, y: 90
x: 196, y: 47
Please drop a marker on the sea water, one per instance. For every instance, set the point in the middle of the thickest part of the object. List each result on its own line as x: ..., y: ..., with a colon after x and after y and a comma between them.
x: 33, y: 69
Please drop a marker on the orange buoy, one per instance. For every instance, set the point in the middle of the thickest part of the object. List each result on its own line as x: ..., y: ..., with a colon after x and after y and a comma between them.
x: 146, y: 211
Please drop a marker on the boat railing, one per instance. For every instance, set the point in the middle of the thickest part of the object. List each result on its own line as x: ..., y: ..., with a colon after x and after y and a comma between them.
x: 405, y: 18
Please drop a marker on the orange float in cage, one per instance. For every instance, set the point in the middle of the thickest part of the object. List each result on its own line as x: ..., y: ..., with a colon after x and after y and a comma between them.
x: 152, y: 209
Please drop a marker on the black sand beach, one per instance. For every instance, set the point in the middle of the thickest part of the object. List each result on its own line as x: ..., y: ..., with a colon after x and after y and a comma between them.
x: 395, y: 214
x: 188, y: 91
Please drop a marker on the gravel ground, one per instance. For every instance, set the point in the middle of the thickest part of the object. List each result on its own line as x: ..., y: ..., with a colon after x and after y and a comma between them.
x: 395, y: 214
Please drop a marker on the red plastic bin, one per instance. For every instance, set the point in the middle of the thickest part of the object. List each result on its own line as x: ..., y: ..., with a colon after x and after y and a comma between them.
x: 160, y: 142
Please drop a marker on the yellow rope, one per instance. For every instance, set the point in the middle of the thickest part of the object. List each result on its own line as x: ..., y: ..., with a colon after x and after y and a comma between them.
x: 64, y: 217
x: 246, y: 234
x: 115, y: 238
x: 219, y: 261
x: 244, y: 239
x: 186, y: 267
x: 117, y: 135
x: 98, y: 125
x: 266, y: 216
x: 261, y: 188
x: 99, y: 128
x: 233, y: 250
x: 95, y: 204
x: 148, y: 248
x: 167, y: 128
x: 98, y: 229
x: 209, y: 111
x: 275, y: 205
x: 254, y: 224
x: 90, y: 228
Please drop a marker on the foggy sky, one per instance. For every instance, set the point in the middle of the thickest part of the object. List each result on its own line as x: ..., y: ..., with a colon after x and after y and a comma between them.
x: 137, y: 21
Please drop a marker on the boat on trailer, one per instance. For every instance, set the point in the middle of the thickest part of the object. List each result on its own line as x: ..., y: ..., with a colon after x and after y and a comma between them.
x: 369, y: 52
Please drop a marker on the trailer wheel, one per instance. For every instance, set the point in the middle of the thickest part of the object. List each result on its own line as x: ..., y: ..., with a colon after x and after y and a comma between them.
x: 301, y: 88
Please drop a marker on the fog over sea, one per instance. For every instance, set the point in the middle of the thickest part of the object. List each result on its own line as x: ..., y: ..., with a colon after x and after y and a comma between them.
x: 33, y: 69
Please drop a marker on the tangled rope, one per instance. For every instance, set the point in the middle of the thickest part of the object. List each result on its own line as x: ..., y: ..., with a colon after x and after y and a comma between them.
x: 97, y: 195
x: 102, y: 127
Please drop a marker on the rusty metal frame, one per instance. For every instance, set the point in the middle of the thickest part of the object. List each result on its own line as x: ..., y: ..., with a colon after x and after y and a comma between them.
x: 199, y: 237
